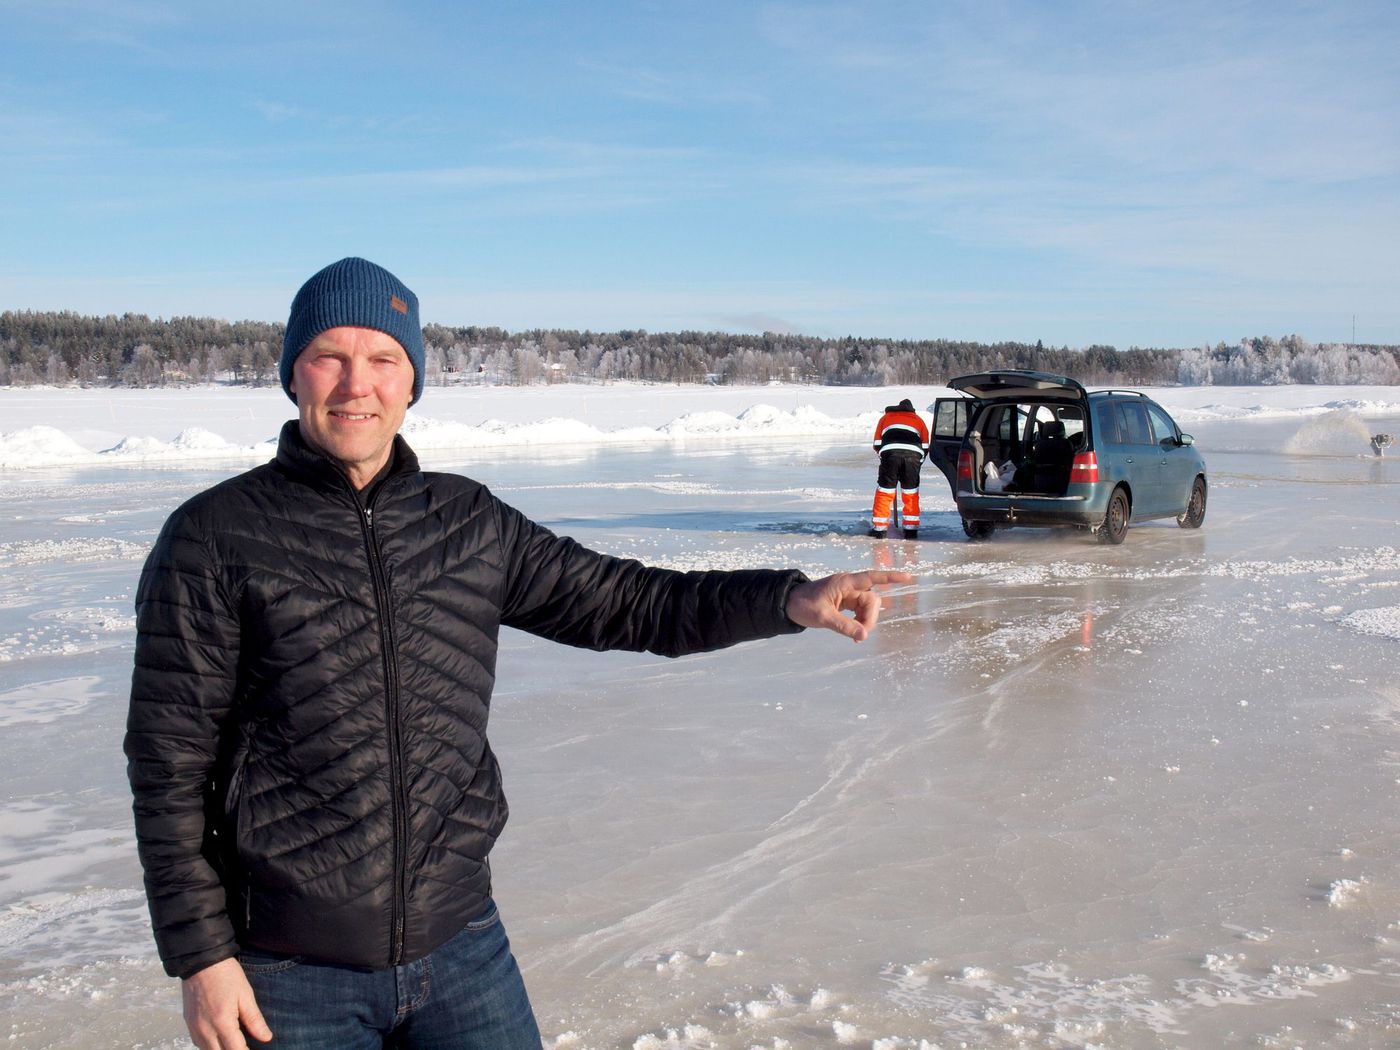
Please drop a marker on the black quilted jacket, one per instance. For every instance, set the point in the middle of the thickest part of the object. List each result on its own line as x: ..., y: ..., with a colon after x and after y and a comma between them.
x: 307, y: 732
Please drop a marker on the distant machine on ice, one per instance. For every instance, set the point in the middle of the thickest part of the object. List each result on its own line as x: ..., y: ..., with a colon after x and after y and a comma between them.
x: 1381, y: 442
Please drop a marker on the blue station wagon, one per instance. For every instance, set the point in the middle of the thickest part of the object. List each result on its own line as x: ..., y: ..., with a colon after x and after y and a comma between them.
x: 1032, y: 448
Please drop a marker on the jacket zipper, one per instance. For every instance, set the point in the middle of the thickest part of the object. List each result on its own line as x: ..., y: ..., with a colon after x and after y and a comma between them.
x: 399, y: 814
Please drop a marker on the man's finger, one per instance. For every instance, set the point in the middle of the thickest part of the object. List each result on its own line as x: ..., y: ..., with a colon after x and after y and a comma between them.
x: 867, y: 609
x: 253, y: 1021
x: 230, y: 1036
x: 851, y: 628
x: 873, y: 577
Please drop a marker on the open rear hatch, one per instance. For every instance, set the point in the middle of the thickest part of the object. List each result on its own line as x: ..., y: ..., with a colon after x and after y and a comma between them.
x: 1018, y: 383
x: 1011, y: 407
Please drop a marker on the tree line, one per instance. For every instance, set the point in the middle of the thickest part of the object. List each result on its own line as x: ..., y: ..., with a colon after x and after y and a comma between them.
x: 133, y: 350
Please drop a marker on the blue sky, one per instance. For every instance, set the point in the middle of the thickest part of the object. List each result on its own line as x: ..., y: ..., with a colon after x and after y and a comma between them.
x: 1131, y: 173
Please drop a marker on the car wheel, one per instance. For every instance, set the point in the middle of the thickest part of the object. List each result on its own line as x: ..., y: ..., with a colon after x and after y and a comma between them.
x: 1115, y: 519
x: 978, y: 530
x: 1196, y: 509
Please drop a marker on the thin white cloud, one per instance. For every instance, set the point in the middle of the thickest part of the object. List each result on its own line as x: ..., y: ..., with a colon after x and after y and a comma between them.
x: 675, y: 89
x: 277, y: 112
x: 1280, y: 91
x: 1222, y: 224
x: 595, y: 152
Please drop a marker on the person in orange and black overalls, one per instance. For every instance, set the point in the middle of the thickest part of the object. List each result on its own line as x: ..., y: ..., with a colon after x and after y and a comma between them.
x: 901, y: 439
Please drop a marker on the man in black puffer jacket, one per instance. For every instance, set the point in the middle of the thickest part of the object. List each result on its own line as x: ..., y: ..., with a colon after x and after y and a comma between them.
x: 315, y: 796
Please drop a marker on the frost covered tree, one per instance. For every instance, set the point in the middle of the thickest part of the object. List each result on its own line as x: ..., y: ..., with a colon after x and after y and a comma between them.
x: 56, y: 371
x: 432, y: 366
x: 143, y: 369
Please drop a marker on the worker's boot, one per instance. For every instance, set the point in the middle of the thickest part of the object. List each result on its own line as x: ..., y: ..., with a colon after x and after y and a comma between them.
x: 911, y: 534
x: 878, y: 534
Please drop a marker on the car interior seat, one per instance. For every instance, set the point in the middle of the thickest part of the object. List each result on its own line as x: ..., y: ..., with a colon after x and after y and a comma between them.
x: 1052, y: 454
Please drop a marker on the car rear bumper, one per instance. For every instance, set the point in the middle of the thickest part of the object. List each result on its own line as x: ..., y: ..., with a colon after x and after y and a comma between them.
x: 1031, y: 509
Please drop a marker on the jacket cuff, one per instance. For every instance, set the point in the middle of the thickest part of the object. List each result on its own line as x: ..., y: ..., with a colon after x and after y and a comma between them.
x: 795, y: 577
x: 183, y: 966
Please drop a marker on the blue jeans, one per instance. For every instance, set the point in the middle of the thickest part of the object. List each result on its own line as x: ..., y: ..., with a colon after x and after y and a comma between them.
x: 466, y: 995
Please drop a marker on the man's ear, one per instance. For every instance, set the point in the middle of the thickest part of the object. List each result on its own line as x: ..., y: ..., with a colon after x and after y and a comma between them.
x: 292, y: 384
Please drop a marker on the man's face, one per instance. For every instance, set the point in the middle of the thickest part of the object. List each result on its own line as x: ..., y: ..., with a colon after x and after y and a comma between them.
x: 353, y: 386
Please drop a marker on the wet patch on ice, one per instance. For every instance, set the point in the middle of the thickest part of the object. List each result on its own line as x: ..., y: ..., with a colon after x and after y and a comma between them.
x: 45, y: 846
x: 690, y: 488
x: 44, y: 702
x: 1009, y: 643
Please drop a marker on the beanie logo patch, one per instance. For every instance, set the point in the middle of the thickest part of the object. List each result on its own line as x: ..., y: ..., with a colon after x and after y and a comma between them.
x: 398, y: 304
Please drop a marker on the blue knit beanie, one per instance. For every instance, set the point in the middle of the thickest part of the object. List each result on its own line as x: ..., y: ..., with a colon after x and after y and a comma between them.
x: 359, y: 293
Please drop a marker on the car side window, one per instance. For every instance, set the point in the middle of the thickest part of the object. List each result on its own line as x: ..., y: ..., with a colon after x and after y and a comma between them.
x: 1106, y: 426
x: 1133, y: 426
x: 1163, y: 429
x: 1004, y: 421
x: 951, y: 420
x: 1073, y: 419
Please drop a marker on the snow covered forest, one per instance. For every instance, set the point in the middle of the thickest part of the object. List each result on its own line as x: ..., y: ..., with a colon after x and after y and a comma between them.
x: 68, y: 349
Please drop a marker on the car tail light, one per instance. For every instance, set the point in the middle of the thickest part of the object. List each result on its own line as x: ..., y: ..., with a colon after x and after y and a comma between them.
x: 965, y: 465
x: 1085, y: 468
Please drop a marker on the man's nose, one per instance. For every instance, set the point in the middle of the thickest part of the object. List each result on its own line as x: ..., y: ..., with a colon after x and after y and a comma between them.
x: 354, y: 378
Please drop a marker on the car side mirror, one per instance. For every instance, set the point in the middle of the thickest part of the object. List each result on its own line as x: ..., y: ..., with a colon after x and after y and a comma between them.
x: 1186, y: 439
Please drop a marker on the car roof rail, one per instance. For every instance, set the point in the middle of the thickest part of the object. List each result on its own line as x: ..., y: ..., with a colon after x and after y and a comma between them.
x: 1130, y: 393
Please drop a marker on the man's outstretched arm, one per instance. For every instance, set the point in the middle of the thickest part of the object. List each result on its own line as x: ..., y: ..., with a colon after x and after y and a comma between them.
x: 824, y: 602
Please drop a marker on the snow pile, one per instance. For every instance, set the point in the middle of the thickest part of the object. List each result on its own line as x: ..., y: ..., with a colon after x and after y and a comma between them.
x: 40, y: 447
x: 190, y: 444
x: 1344, y: 892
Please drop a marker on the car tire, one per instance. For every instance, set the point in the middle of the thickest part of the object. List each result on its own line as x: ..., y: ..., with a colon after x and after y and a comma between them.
x: 978, y: 530
x: 1115, y: 520
x: 1195, y: 512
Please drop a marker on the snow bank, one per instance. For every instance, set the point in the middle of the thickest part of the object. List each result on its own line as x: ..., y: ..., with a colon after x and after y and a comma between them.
x: 45, y: 446
x: 1273, y: 409
x: 40, y: 447
x: 555, y: 417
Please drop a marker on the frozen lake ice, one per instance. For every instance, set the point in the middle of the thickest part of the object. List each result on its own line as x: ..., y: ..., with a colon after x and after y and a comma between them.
x: 1067, y: 796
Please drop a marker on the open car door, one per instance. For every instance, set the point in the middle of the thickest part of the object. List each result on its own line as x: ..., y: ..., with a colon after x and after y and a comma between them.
x: 951, y: 416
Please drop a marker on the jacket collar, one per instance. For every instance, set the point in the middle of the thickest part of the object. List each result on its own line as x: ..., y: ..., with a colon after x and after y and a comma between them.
x: 298, y: 459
